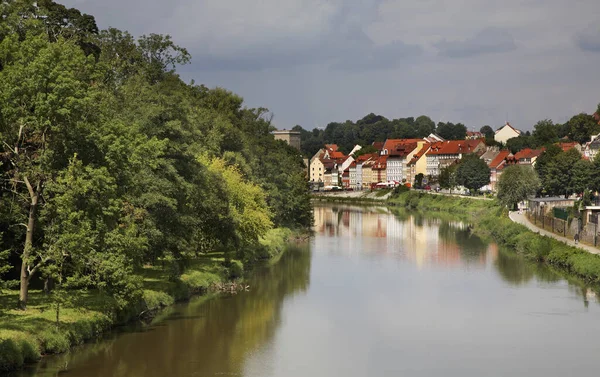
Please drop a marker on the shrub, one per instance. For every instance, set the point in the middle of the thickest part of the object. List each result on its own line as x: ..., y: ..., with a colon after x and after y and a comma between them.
x: 199, y: 281
x: 154, y: 300
x: 10, y: 355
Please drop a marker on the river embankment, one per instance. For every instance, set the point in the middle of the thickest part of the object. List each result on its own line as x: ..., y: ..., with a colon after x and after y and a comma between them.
x: 45, y: 329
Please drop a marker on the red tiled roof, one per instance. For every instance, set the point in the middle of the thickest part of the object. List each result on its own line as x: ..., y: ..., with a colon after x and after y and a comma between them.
x: 378, y: 145
x: 420, y: 153
x: 527, y: 153
x: 475, y: 134
x: 499, y: 160
x: 566, y: 146
x: 331, y: 147
x: 454, y: 147
x: 336, y: 155
x: 381, y: 162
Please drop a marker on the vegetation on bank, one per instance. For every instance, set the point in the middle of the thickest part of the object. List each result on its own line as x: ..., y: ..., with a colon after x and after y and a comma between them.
x: 117, y: 178
x: 26, y: 335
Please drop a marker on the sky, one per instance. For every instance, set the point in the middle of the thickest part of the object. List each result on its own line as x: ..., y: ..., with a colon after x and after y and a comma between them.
x: 312, y: 62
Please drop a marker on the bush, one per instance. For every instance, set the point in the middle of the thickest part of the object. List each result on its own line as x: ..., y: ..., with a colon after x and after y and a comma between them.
x: 199, y: 282
x: 52, y: 340
x: 154, y: 300
x: 236, y: 269
x: 10, y: 355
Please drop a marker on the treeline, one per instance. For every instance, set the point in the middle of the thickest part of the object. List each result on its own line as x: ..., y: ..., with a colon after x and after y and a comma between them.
x: 376, y: 128
x: 373, y: 128
x: 109, y: 161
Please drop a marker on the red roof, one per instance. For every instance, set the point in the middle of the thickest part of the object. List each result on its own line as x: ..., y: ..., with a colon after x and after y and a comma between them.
x: 454, y: 147
x: 336, y: 155
x: 331, y: 147
x: 566, y: 146
x: 527, y: 153
x: 420, y: 153
x: 378, y: 145
x: 499, y: 160
x: 475, y: 134
x: 381, y: 162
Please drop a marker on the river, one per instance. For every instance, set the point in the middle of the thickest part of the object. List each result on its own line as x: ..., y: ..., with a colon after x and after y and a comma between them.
x: 374, y: 293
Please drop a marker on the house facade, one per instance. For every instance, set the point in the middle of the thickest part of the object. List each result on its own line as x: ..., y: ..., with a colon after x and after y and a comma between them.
x: 506, y: 132
x: 446, y: 153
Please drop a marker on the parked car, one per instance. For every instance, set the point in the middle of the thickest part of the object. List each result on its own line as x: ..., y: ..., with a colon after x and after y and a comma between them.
x: 428, y: 188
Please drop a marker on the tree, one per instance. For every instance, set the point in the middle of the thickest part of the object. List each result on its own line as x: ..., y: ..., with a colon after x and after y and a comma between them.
x: 545, y: 132
x: 448, y: 177
x: 517, y: 183
x: 419, y: 180
x: 519, y: 143
x: 560, y: 173
x: 487, y: 131
x: 582, y: 176
x: 581, y: 127
x: 543, y: 163
x: 473, y: 173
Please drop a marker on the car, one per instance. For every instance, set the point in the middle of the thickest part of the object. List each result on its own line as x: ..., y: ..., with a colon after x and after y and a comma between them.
x: 428, y: 188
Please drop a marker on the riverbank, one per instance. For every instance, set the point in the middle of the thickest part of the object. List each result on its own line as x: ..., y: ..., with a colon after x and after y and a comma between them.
x: 491, y: 221
x: 27, y: 335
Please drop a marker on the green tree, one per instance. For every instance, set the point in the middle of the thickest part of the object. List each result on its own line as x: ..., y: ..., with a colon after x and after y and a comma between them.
x: 447, y: 177
x: 487, y: 131
x: 519, y: 143
x: 473, y: 173
x: 419, y: 180
x: 545, y: 132
x: 543, y: 162
x: 582, y: 176
x: 581, y: 127
x: 560, y: 173
x: 517, y: 183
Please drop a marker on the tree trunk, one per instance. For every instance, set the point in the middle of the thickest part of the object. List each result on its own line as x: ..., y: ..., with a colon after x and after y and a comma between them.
x: 26, y: 272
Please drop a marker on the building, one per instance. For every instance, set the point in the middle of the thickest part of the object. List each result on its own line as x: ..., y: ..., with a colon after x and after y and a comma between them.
x: 474, y: 135
x: 496, y: 167
x: 316, y: 167
x: 289, y: 136
x: 506, y: 132
x: 418, y: 164
x: 525, y: 156
x: 446, y: 153
x: 398, y: 152
x: 590, y: 150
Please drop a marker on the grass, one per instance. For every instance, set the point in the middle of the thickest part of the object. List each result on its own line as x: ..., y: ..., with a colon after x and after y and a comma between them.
x: 26, y: 335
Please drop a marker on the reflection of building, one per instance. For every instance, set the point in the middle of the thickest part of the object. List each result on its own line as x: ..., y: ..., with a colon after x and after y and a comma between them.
x: 424, y: 241
x: 289, y: 136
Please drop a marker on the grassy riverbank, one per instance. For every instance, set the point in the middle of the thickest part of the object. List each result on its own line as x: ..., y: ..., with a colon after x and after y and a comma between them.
x: 26, y: 335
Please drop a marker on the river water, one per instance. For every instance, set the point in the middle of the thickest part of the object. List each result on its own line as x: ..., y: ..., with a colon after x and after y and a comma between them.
x: 375, y: 293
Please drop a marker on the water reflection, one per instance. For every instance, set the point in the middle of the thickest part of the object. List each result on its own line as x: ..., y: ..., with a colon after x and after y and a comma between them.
x: 423, y: 239
x: 202, y: 338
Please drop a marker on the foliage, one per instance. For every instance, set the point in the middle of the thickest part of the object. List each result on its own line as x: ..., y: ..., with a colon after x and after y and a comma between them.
x: 448, y: 177
x: 419, y: 180
x: 110, y: 162
x: 521, y: 142
x: 487, y: 131
x: 473, y: 173
x: 560, y: 176
x: 581, y: 127
x: 517, y: 183
x: 545, y: 132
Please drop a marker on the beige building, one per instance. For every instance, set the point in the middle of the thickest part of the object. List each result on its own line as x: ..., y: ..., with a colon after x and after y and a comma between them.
x: 418, y: 164
x: 506, y: 132
x: 316, y: 167
x: 289, y: 136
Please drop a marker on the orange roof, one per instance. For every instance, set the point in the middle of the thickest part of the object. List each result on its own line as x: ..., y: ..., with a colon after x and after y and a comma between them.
x: 527, y: 153
x: 378, y: 145
x: 331, y: 147
x: 496, y: 162
x: 454, y: 146
x: 336, y: 155
x: 420, y: 153
x: 566, y: 146
x: 381, y: 162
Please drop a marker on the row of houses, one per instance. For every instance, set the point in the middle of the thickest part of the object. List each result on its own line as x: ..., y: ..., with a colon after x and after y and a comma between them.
x: 399, y: 161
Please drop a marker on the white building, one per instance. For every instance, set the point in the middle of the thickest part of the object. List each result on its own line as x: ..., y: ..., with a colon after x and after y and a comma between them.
x: 506, y: 132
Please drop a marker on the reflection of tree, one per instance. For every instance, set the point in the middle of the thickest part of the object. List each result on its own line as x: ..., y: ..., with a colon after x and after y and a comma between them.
x: 204, y: 338
x: 472, y: 248
x: 517, y: 270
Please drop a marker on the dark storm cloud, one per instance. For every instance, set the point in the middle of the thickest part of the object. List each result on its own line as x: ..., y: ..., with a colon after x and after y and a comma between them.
x: 487, y: 41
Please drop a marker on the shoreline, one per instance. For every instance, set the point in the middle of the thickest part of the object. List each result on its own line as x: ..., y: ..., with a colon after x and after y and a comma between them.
x: 492, y: 222
x: 26, y: 337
